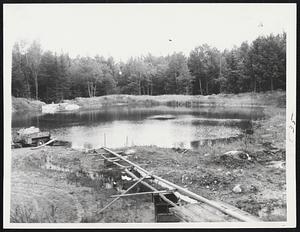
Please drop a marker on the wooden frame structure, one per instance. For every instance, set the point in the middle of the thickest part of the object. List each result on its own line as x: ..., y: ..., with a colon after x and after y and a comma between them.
x: 196, y: 208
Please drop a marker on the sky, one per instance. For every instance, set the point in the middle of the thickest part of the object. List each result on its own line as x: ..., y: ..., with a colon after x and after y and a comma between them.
x: 125, y: 30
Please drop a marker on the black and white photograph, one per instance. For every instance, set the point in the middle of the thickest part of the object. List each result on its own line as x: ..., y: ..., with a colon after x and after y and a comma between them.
x: 149, y: 115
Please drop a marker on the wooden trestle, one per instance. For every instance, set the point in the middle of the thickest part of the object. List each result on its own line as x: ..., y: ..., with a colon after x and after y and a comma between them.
x: 175, y: 203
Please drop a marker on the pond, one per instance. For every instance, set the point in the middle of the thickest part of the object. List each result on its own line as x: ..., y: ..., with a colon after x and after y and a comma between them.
x: 120, y: 126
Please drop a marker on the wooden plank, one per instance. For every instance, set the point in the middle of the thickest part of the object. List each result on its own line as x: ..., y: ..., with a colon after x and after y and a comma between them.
x: 141, y: 193
x: 233, y: 208
x: 214, y: 211
x: 205, y: 213
x: 45, y: 144
x: 187, y: 215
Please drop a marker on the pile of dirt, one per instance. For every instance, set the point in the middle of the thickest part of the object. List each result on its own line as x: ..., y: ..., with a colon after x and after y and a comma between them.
x: 24, y: 104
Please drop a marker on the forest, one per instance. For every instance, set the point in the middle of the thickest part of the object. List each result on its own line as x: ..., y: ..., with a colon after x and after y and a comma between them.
x: 50, y: 77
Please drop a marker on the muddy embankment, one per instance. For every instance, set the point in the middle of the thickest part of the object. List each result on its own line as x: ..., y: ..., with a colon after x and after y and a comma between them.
x: 275, y: 98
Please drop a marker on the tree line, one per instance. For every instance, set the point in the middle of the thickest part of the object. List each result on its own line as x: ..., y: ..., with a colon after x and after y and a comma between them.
x: 50, y: 77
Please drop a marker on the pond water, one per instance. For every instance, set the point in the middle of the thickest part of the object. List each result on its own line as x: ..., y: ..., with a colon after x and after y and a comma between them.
x: 126, y: 126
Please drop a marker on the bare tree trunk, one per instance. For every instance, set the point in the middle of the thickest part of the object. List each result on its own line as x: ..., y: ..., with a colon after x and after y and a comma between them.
x: 36, y: 86
x: 176, y: 88
x: 28, y: 93
x: 151, y: 86
x: 89, y: 89
x: 200, y: 86
x: 206, y: 85
x: 140, y: 87
x: 94, y: 92
x: 254, y: 85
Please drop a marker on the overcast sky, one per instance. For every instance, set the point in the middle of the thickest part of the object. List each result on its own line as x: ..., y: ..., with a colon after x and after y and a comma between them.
x: 124, y: 30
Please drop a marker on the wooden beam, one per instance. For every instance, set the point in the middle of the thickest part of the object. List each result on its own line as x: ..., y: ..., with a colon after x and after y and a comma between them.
x: 114, y: 200
x: 50, y: 141
x: 141, y: 193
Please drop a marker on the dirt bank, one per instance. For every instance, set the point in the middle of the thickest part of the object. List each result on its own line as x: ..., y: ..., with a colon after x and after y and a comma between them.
x: 24, y: 104
x: 276, y: 98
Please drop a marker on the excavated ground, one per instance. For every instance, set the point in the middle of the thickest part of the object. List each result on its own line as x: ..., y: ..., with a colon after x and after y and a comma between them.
x: 46, y: 186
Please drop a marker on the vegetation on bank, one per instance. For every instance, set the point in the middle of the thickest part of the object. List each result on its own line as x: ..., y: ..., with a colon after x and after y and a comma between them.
x: 23, y: 104
x: 257, y: 66
x: 274, y: 98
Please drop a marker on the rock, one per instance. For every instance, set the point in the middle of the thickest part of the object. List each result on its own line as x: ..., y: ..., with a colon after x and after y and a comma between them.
x: 72, y: 107
x: 162, y: 117
x: 253, y: 188
x: 277, y: 164
x: 53, y: 108
x: 237, y: 189
x: 130, y: 152
x: 240, y: 154
x: 206, y: 154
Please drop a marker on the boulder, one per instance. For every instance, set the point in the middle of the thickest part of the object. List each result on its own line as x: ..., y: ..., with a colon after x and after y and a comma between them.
x: 130, y: 152
x: 53, y: 108
x: 162, y: 117
x: 239, y: 154
x: 237, y: 188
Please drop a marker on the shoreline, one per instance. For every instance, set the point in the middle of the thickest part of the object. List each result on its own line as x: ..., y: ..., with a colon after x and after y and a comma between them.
x: 275, y: 98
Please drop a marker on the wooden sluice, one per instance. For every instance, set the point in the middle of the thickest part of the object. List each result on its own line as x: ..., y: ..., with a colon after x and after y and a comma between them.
x: 173, y: 203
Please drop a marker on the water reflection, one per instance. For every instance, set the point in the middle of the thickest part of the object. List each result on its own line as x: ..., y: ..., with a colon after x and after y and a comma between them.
x: 121, y: 126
